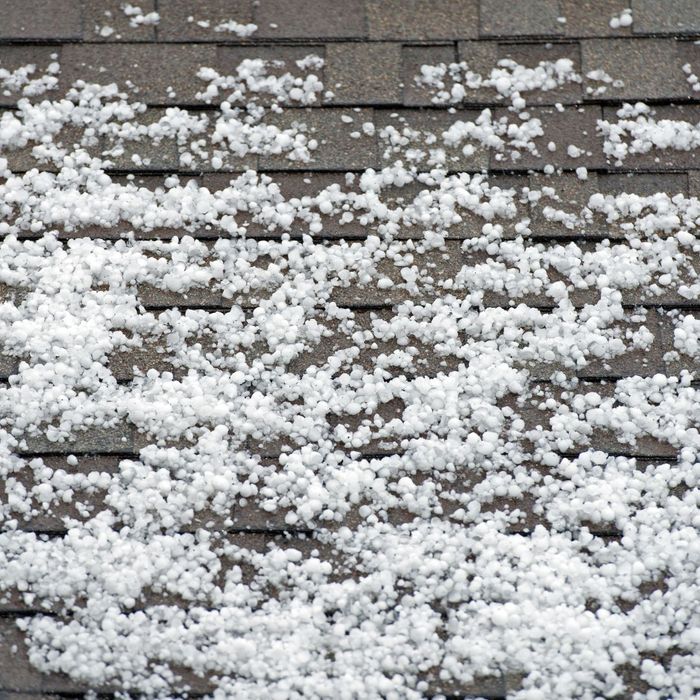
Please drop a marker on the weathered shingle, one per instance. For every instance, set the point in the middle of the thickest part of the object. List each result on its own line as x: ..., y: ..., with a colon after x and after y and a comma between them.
x: 668, y: 17
x: 14, y: 57
x: 423, y: 19
x: 412, y: 135
x: 661, y: 158
x: 165, y: 74
x: 648, y: 68
x: 202, y: 20
x: 591, y: 18
x: 117, y: 439
x: 106, y: 21
x: 551, y: 214
x: 364, y: 73
x: 643, y: 184
x: 531, y: 55
x: 34, y: 19
x: 413, y: 58
x: 310, y: 19
x: 572, y: 127
x: 522, y: 18
x: 342, y: 143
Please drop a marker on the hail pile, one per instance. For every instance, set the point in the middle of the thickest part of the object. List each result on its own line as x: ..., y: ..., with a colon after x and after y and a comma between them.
x: 409, y: 406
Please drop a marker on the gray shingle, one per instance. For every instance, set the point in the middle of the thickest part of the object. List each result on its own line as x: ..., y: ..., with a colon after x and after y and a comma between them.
x: 118, y: 439
x: 633, y: 362
x: 154, y: 297
x: 337, y: 148
x: 521, y: 18
x: 142, y: 154
x: 364, y: 74
x: 533, y: 414
x: 591, y: 18
x: 694, y: 183
x: 471, y: 224
x: 160, y: 74
x: 667, y: 158
x: 667, y: 17
x: 229, y: 57
x: 15, y: 294
x: 181, y: 20
x: 570, y: 196
x: 574, y: 126
x: 530, y: 55
x: 413, y: 57
x: 441, y: 265
x: 429, y: 125
x: 423, y: 19
x: 16, y: 671
x: 23, y: 159
x: 8, y: 365
x: 105, y: 21
x: 427, y: 361
x: 483, y: 56
x: 149, y: 356
x: 33, y: 19
x: 643, y: 184
x: 490, y: 687
x: 649, y: 68
x: 281, y: 59
x: 18, y: 674
x: 14, y: 57
x: 304, y: 184
x: 310, y: 19
x: 677, y: 360
x: 51, y: 519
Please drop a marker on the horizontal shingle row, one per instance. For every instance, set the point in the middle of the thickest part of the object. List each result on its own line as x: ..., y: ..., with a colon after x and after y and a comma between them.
x: 570, y: 195
x: 205, y: 20
x: 374, y: 73
x: 343, y: 144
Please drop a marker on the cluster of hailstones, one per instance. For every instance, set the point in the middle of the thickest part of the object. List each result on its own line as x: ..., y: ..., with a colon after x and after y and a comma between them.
x: 402, y: 409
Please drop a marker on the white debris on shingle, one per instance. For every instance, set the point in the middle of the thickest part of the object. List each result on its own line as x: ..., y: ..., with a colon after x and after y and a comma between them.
x: 368, y: 605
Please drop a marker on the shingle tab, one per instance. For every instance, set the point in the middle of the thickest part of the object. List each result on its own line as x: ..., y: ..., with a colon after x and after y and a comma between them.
x: 661, y: 158
x: 106, y: 21
x: 521, y: 18
x: 281, y: 59
x: 310, y: 19
x: 144, y: 153
x: 34, y: 19
x: 364, y: 73
x: 694, y: 183
x: 669, y: 17
x: 643, y: 184
x: 412, y: 58
x: 419, y: 132
x: 17, y: 672
x: 201, y: 20
x: 648, y: 68
x: 569, y: 198
x: 14, y: 57
x: 591, y: 18
x: 118, y: 439
x: 574, y: 126
x: 531, y: 55
x: 160, y: 74
x: 338, y: 148
x: 423, y: 19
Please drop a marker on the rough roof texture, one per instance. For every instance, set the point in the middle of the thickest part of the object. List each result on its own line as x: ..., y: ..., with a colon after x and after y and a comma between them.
x: 372, y: 51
